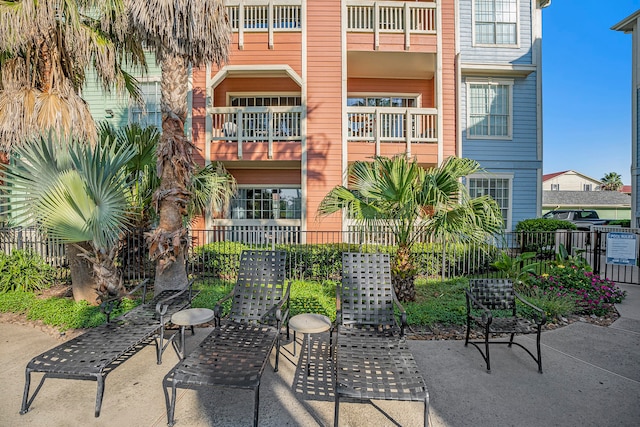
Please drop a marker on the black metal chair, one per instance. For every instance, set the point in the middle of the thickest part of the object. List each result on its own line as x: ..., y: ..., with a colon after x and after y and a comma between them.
x: 237, y: 350
x: 97, y: 352
x: 486, y: 295
x: 372, y: 358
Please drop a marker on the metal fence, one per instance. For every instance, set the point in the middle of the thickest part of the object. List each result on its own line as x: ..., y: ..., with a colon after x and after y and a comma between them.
x: 214, y: 253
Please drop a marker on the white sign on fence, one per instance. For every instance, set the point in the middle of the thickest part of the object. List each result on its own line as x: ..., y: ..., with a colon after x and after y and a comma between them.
x: 621, y: 248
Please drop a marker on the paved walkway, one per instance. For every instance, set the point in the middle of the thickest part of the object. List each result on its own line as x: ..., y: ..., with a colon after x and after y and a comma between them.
x: 591, y: 378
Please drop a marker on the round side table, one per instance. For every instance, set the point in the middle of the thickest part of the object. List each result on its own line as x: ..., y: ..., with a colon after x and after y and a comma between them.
x: 189, y: 317
x: 308, y: 323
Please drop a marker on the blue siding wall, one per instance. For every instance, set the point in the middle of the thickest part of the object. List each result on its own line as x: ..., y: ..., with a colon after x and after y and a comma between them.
x: 518, y: 156
x: 512, y: 55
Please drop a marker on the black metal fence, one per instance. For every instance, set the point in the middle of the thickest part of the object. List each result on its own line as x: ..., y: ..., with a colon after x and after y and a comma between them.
x: 214, y: 253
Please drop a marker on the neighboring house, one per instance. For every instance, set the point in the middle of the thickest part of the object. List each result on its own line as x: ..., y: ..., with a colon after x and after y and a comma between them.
x: 630, y: 25
x: 311, y: 87
x: 626, y: 189
x: 569, y: 181
x: 608, y: 204
x: 500, y: 92
x: 118, y: 109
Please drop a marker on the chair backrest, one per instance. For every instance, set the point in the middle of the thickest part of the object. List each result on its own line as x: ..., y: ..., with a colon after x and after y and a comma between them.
x: 366, y: 292
x: 495, y: 294
x: 260, y: 284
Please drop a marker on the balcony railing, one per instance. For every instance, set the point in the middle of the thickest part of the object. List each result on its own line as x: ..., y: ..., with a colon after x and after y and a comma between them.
x: 391, y: 17
x: 392, y: 125
x: 264, y: 16
x: 256, y: 124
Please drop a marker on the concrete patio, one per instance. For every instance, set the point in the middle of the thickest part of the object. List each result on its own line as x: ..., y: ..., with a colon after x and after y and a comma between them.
x: 591, y: 378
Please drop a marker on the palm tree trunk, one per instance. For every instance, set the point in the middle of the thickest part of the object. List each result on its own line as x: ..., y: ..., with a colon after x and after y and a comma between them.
x: 168, y: 242
x: 403, y: 273
x: 83, y: 282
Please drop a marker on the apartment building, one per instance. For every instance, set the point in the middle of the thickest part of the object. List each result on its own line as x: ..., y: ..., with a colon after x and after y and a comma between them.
x: 314, y: 85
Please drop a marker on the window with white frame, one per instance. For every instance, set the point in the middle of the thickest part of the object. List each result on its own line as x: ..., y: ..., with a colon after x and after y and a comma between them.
x: 150, y: 113
x: 587, y: 187
x: 266, y: 203
x: 489, y: 111
x: 496, y: 22
x: 555, y: 187
x: 498, y: 187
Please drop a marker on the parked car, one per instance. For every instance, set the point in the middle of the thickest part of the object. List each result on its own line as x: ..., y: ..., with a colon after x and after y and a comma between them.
x: 582, y: 218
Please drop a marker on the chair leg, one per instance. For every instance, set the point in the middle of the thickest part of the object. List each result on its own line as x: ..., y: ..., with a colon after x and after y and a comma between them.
x: 426, y: 411
x: 25, y: 395
x: 511, y: 340
x: 256, y: 406
x: 466, y: 340
x: 171, y: 404
x: 275, y: 369
x: 486, y: 348
x: 539, y: 352
x: 336, y: 411
x: 99, y: 395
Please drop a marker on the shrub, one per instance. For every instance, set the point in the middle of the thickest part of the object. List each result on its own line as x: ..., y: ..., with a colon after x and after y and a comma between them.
x: 24, y: 271
x: 438, y: 302
x: 538, y: 235
x: 621, y: 222
x: 219, y: 259
x: 590, y: 293
x: 543, y: 224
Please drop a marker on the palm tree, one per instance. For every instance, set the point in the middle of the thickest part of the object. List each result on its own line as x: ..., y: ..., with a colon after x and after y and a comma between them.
x: 411, y: 201
x: 75, y: 193
x: 46, y: 48
x: 611, y: 182
x: 184, y: 33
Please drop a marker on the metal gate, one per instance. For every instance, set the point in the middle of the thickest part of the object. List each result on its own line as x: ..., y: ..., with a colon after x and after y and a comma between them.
x: 626, y: 274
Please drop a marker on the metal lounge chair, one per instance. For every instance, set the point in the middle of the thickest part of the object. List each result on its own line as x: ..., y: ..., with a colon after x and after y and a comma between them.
x: 372, y: 358
x: 236, y: 352
x: 97, y: 352
x: 485, y: 295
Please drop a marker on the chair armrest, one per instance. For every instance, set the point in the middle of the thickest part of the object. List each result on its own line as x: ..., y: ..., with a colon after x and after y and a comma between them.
x: 403, y: 314
x: 276, y: 311
x: 487, y: 317
x: 543, y: 316
x: 162, y: 306
x: 217, y: 309
x: 107, y: 306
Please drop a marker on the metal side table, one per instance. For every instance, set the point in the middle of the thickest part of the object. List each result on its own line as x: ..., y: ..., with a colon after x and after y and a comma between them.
x: 308, y: 323
x: 189, y: 317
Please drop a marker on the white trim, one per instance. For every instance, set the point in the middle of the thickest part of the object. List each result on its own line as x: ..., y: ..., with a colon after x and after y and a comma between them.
x: 498, y: 175
x: 501, y: 46
x: 488, y: 69
x: 304, y: 164
x: 255, y: 71
x: 439, y: 97
x: 498, y: 81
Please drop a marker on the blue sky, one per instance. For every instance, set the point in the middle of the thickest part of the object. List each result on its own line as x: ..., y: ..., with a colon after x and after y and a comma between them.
x: 586, y: 78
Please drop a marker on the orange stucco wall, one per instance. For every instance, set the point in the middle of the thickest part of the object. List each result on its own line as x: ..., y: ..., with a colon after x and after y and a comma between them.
x: 448, y: 108
x: 324, y: 102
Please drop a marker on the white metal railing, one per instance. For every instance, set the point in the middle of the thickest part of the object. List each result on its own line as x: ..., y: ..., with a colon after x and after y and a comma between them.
x: 256, y: 124
x: 391, y: 124
x: 263, y: 16
x: 391, y: 17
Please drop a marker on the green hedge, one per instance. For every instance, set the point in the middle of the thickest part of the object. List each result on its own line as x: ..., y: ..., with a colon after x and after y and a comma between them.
x: 24, y: 271
x: 321, y: 262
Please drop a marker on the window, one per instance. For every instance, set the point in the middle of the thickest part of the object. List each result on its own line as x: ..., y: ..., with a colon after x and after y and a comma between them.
x: 381, y: 101
x: 499, y: 188
x: 496, y: 22
x: 489, y: 109
x: 267, y: 203
x: 264, y: 101
x: 587, y: 187
x: 149, y: 114
x: 555, y: 187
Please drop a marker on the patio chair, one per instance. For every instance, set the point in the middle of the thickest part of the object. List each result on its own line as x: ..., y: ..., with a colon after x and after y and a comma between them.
x: 237, y: 350
x: 372, y: 358
x: 97, y: 352
x: 484, y: 296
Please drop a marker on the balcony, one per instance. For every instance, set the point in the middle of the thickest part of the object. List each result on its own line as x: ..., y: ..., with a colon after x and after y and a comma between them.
x: 391, y: 17
x: 256, y: 133
x: 264, y: 16
x: 387, y: 131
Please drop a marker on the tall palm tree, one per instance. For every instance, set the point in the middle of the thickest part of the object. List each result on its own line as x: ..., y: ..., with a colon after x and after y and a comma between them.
x: 75, y: 193
x: 184, y: 33
x: 611, y: 181
x: 398, y: 193
x: 46, y: 48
